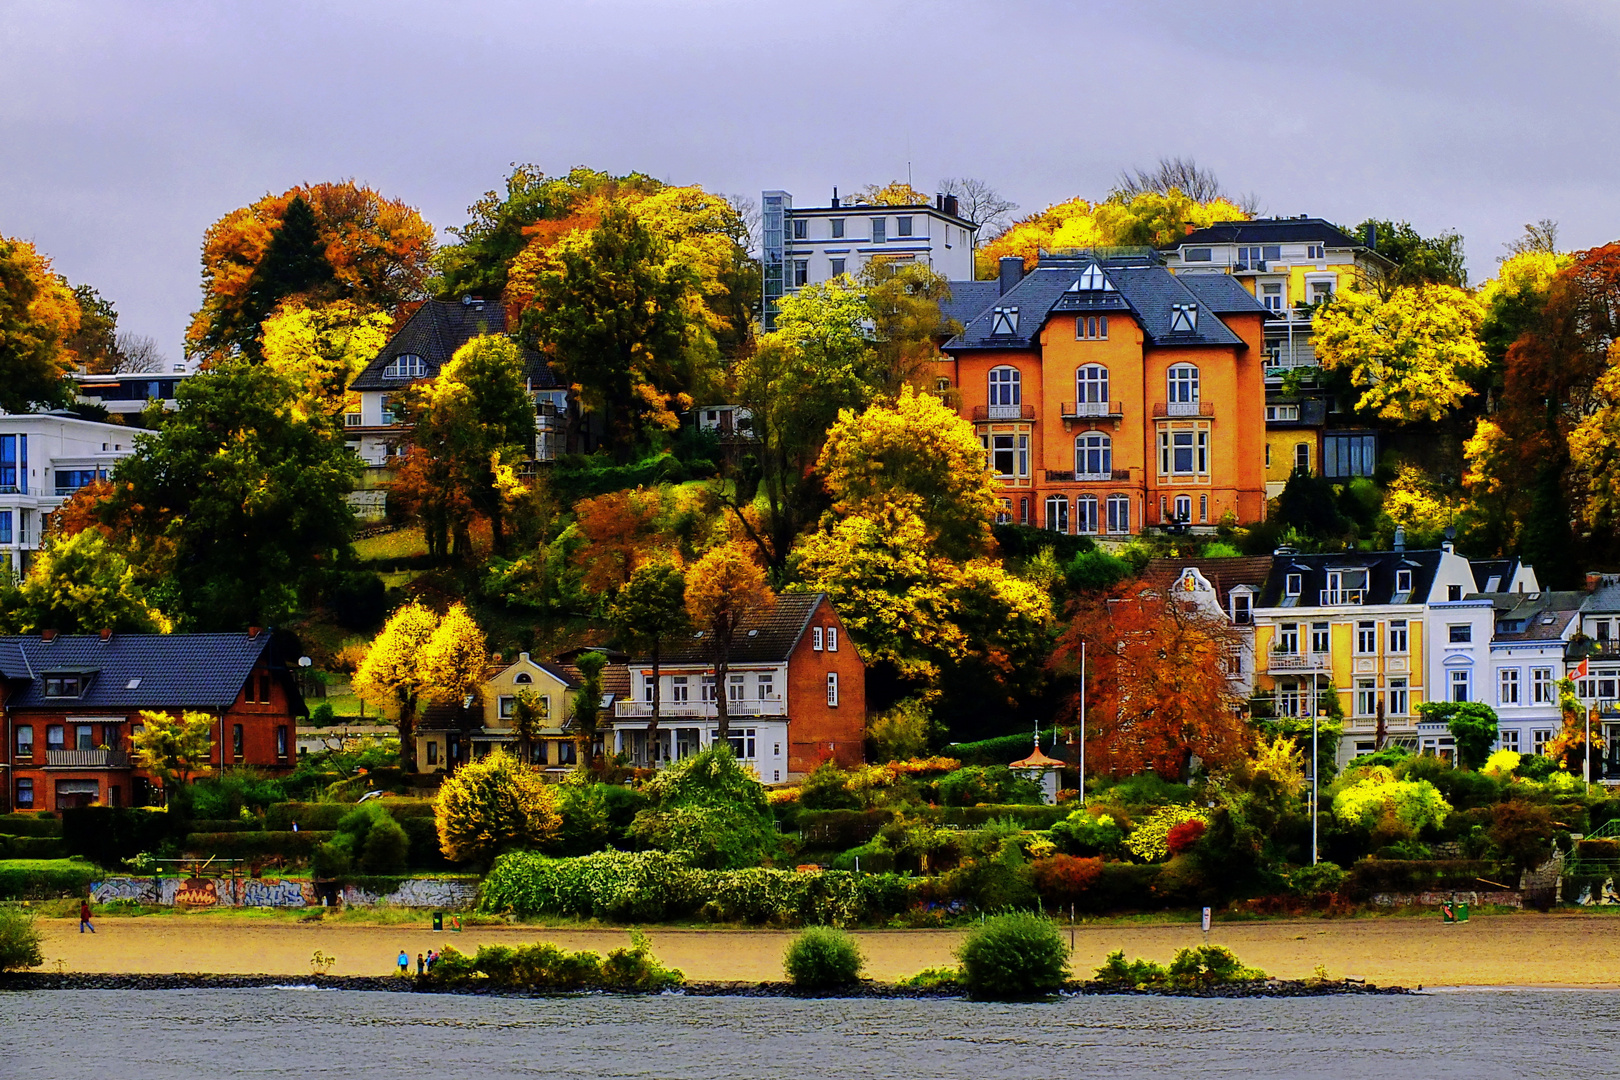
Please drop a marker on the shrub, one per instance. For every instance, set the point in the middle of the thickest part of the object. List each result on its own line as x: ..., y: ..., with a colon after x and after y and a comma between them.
x: 386, y: 847
x: 493, y: 805
x: 544, y: 966
x: 1150, y: 840
x: 1184, y: 836
x: 1002, y: 882
x: 595, y: 816
x: 901, y: 732
x: 710, y: 810
x: 1065, y: 879
x: 1394, y: 808
x: 1535, y: 767
x: 1209, y: 965
x: 1146, y: 789
x: 839, y: 829
x: 1013, y: 956
x: 823, y: 958
x: 322, y: 714
x: 1117, y: 971
x: 226, y: 795
x: 934, y: 978
x: 32, y: 847
x: 1082, y: 833
x: 827, y: 788
x: 1318, y: 880
x: 20, y: 940
x: 977, y: 784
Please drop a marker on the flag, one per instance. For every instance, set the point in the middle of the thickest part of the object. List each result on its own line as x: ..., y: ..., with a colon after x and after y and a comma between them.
x: 1579, y: 672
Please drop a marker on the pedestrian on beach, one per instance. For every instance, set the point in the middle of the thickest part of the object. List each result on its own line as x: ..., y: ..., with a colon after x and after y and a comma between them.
x: 421, y: 964
x: 404, y: 963
x: 84, y: 917
x: 433, y: 958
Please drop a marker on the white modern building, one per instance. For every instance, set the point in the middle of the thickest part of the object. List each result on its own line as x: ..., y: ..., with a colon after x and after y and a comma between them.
x: 130, y: 393
x: 44, y: 459
x: 810, y: 244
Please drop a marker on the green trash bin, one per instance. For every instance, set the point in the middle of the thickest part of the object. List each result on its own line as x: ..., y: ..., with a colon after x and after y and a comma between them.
x: 1462, y: 912
x: 438, y: 920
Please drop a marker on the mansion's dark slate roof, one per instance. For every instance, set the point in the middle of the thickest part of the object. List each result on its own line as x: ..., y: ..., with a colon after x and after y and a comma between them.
x: 968, y: 299
x: 767, y: 640
x: 1222, y: 293
x: 1271, y: 231
x: 1532, y: 616
x: 1224, y: 574
x: 1381, y: 567
x: 1137, y: 286
x: 136, y: 671
x: 434, y: 332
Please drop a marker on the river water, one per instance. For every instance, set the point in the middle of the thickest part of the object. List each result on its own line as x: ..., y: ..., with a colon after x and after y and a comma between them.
x: 202, y: 1034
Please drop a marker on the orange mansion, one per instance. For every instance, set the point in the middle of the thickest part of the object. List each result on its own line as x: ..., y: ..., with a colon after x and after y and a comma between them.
x: 1112, y: 396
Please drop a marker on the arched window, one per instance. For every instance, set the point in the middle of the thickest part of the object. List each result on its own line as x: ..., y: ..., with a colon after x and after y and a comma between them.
x: 1057, y: 513
x: 1119, y: 513
x: 1183, y: 384
x: 1093, y: 456
x: 1006, y: 387
x: 406, y: 366
x: 1085, y: 514
x: 1183, y: 507
x: 523, y: 678
x: 1091, y: 390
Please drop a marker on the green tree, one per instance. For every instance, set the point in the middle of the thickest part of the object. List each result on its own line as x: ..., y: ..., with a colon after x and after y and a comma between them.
x: 616, y: 321
x: 1419, y: 260
x: 95, y: 345
x: 20, y: 940
x: 174, y: 749
x: 294, y: 264
x: 80, y: 584
x: 493, y: 805
x: 38, y: 317
x: 1473, y: 727
x: 477, y: 264
x: 904, y: 300
x: 710, y: 809
x: 244, y: 502
x: 531, y: 713
x: 588, y: 701
x: 649, y: 609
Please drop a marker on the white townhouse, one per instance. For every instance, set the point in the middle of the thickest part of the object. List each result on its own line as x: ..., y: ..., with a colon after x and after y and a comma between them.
x: 1597, y: 645
x: 44, y: 459
x: 1527, y: 658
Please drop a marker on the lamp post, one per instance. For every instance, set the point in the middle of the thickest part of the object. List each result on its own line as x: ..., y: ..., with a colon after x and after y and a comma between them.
x: 1082, y: 723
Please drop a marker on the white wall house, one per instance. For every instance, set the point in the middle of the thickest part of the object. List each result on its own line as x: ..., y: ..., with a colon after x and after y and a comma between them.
x: 130, y: 393
x: 1528, y: 648
x: 44, y: 459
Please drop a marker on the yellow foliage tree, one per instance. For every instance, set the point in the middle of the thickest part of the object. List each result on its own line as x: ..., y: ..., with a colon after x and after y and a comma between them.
x: 894, y: 193
x: 322, y: 349
x: 391, y: 673
x: 1145, y: 218
x: 451, y: 665
x: 1414, y: 502
x: 918, y: 456
x: 492, y: 805
x: 174, y: 749
x: 1410, y: 353
x: 38, y: 315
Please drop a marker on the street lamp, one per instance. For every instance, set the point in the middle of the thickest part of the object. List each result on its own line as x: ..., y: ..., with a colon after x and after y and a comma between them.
x: 1316, y: 770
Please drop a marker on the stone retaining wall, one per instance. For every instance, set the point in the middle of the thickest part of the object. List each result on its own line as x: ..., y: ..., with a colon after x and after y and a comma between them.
x: 1497, y: 897
x: 272, y: 892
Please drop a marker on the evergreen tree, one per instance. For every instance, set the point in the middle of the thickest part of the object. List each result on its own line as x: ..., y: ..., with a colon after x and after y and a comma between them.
x: 294, y: 264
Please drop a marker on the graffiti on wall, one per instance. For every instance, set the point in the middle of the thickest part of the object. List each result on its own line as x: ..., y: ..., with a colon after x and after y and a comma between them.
x: 197, y: 893
x: 273, y: 892
x: 269, y: 893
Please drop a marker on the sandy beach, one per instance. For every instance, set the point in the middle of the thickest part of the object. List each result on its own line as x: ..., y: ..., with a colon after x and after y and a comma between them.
x: 1494, y: 950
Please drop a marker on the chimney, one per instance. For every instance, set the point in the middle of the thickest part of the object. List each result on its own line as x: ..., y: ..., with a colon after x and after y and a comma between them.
x: 835, y: 198
x: 253, y: 632
x: 1012, y: 272
x: 106, y: 634
x: 1372, y: 236
x: 1400, y: 539
x: 939, y: 201
x: 1594, y: 580
x: 47, y: 635
x: 951, y: 206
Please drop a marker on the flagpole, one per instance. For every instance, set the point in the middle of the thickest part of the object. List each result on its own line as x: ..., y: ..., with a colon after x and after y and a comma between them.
x: 1082, y: 723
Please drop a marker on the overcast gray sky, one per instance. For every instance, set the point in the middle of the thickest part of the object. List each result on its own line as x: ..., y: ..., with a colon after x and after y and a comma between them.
x: 127, y: 128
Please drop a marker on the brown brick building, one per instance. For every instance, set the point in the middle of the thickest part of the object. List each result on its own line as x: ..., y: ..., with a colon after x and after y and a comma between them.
x: 69, y: 705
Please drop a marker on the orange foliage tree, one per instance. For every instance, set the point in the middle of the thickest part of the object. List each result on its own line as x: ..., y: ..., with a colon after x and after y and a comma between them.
x: 1157, y: 690
x: 378, y: 249
x: 38, y: 317
x: 725, y: 589
x: 621, y: 532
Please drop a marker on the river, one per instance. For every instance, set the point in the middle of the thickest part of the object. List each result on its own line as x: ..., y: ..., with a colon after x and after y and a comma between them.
x: 203, y: 1034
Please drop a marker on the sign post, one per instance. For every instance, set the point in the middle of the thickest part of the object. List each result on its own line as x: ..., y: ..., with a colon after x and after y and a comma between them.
x: 1206, y: 926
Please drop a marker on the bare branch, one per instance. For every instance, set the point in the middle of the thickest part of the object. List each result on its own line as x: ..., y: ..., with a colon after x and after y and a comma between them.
x: 137, y: 354
x: 980, y: 203
x: 1540, y: 237
x: 1183, y: 174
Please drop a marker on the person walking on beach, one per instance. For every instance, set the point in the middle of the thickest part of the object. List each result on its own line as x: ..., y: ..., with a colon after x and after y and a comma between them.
x: 404, y: 962
x: 421, y: 964
x: 84, y: 917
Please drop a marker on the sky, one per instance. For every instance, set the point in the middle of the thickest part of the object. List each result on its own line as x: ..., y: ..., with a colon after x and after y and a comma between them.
x: 126, y: 129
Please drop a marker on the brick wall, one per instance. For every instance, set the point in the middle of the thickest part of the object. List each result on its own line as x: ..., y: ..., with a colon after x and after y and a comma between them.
x: 818, y: 731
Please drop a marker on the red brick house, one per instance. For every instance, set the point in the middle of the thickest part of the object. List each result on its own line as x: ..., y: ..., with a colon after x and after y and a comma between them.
x: 795, y: 695
x: 69, y: 705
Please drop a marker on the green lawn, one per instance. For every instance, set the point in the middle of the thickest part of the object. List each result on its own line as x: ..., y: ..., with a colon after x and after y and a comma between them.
x: 399, y: 544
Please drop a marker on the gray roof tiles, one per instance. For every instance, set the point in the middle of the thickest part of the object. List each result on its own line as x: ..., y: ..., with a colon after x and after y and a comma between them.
x: 135, y: 671
x: 1270, y: 231
x: 767, y: 640
x: 1381, y: 577
x: 434, y: 332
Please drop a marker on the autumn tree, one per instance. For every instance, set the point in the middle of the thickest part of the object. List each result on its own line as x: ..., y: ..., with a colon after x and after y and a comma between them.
x: 1147, y: 217
x: 311, y: 244
x: 450, y: 667
x: 725, y: 590
x: 39, y: 316
x: 1183, y: 176
x: 917, y: 454
x: 1156, y: 683
x: 894, y: 193
x: 906, y: 323
x: 320, y: 351
x: 1419, y: 260
x: 621, y: 531
x: 392, y: 670
x: 616, y: 322
x: 474, y: 423
x: 95, y: 345
x: 1411, y: 354
x: 173, y: 749
x: 648, y: 610
x: 493, y: 805
x: 245, y: 503
x: 79, y: 584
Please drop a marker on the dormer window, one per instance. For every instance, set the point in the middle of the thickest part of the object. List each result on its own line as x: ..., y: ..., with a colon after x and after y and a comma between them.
x: 1092, y: 279
x: 406, y: 366
x: 1003, y: 322
x: 1403, y: 581
x: 1183, y: 318
x: 65, y: 686
x: 1293, y: 584
x: 1242, y: 610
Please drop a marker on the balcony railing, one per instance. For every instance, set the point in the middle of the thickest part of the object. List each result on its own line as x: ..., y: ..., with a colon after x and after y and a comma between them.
x: 86, y: 759
x: 1294, y: 662
x: 1075, y: 410
x: 1340, y: 597
x: 1003, y: 412
x: 1183, y: 408
x: 771, y: 706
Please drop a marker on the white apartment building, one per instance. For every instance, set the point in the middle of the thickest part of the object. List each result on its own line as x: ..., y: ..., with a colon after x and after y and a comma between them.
x: 129, y: 394
x: 806, y: 245
x: 44, y: 459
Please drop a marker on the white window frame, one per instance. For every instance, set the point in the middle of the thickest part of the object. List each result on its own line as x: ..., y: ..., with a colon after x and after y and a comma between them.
x: 832, y: 689
x: 1542, y: 691
x: 1093, y: 447
x: 815, y: 638
x: 1399, y: 637
x: 1119, y: 514
x: 1461, y: 680
x: 1182, y: 384
x: 1085, y: 515
x: 832, y: 639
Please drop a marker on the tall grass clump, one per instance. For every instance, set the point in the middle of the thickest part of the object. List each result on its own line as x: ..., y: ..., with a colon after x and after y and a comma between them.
x: 823, y: 958
x: 1014, y: 956
x: 20, y: 940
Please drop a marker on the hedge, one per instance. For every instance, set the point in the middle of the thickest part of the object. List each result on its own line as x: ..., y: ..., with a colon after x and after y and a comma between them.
x: 250, y: 845
x: 30, y: 824
x: 652, y: 886
x: 1371, y: 876
x: 425, y: 853
x: 45, y: 879
x: 210, y: 825
x: 326, y: 815
x: 31, y: 847
x: 107, y: 835
x: 1030, y: 817
x: 1004, y: 750
x: 839, y: 829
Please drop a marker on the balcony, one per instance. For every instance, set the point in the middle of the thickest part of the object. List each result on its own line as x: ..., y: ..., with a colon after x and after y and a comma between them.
x: 1003, y: 412
x: 703, y: 710
x: 1342, y: 597
x: 86, y: 759
x: 1068, y: 476
x: 1080, y: 410
x: 1183, y: 408
x: 1295, y: 663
